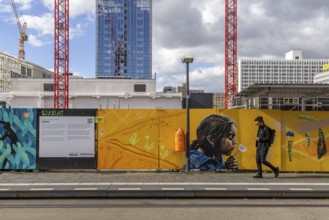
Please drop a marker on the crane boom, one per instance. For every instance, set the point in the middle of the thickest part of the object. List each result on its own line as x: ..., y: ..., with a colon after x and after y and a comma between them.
x: 22, y: 32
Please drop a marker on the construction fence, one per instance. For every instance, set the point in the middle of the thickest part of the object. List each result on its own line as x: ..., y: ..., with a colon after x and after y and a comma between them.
x: 140, y: 139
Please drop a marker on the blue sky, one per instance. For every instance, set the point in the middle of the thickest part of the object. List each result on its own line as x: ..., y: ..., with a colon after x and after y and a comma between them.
x: 39, y: 49
x: 266, y: 28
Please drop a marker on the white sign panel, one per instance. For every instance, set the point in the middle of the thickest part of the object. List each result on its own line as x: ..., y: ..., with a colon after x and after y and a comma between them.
x: 67, y: 136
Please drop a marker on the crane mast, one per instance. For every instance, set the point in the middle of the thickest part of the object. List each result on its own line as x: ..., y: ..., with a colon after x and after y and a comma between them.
x: 22, y: 32
x: 230, y: 52
x: 61, y: 54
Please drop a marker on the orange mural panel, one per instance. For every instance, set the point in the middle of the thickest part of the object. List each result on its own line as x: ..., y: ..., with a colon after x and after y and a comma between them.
x: 139, y: 139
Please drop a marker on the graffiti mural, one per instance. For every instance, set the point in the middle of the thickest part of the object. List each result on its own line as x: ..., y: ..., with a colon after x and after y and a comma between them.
x: 304, y: 141
x: 139, y: 139
x: 18, y: 139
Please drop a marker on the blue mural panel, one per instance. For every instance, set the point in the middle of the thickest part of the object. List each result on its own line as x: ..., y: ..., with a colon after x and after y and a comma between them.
x: 17, y: 139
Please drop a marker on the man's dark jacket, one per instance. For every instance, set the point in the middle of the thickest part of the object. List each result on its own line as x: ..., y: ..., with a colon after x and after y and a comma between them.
x: 264, y: 134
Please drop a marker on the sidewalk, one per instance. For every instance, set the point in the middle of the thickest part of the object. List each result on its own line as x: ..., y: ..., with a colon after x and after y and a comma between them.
x: 152, y: 184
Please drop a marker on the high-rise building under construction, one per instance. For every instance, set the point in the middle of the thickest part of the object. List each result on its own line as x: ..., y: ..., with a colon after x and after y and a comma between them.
x: 124, y: 39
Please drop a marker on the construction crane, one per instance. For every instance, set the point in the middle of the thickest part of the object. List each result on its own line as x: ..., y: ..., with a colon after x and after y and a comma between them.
x: 61, y: 54
x: 22, y: 31
x: 231, y: 67
x: 120, y: 53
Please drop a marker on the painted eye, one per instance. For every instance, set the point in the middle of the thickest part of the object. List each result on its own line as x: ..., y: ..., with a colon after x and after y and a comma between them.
x: 231, y: 136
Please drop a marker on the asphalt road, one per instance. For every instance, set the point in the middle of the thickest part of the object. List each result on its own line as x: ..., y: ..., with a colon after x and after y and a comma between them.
x: 253, y: 209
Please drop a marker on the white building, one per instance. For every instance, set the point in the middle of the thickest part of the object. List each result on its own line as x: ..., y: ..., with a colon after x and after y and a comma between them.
x: 13, y: 67
x: 91, y: 93
x: 26, y: 85
x: 324, y: 76
x: 293, y: 69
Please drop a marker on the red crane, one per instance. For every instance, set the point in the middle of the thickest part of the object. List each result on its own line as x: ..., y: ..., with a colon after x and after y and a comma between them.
x: 230, y: 52
x: 61, y: 54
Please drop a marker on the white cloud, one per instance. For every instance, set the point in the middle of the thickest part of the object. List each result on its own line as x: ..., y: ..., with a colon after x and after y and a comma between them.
x: 77, y: 7
x: 23, y: 5
x: 211, y: 10
x: 33, y: 40
x: 6, y: 8
x: 76, y: 31
x: 44, y: 25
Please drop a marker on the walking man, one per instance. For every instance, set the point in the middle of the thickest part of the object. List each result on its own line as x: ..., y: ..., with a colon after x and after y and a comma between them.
x: 262, y: 146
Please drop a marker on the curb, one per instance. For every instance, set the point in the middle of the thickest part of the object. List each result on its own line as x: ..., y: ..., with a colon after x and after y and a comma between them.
x: 156, y: 194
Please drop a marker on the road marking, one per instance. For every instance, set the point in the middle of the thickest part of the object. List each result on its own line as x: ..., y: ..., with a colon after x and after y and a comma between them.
x: 85, y: 188
x: 175, y: 184
x: 258, y: 189
x: 41, y: 189
x: 87, y: 184
x: 15, y: 184
x: 172, y: 189
x: 301, y: 189
x: 215, y: 188
x: 128, y: 189
x: 103, y: 184
x: 3, y: 189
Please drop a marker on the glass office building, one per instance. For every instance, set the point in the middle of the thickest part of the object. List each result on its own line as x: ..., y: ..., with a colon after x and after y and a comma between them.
x: 124, y: 39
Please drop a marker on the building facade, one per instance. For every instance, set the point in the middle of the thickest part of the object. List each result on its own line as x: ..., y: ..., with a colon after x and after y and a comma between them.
x: 124, y: 39
x: 322, y: 77
x: 293, y: 69
x: 218, y: 100
x: 13, y: 67
x: 91, y: 94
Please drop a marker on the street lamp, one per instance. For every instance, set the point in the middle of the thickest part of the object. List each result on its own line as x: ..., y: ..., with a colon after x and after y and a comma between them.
x: 187, y: 60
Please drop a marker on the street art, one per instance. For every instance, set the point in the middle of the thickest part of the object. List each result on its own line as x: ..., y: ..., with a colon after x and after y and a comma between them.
x: 304, y: 141
x: 321, y: 143
x: 139, y: 139
x: 18, y: 139
x: 215, y: 139
x: 291, y: 135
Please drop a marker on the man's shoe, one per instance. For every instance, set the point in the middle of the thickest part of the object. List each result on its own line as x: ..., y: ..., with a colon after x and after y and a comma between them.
x: 258, y: 176
x: 276, y: 172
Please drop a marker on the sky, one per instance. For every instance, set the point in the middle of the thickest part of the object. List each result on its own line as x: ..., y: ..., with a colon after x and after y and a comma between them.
x: 266, y: 29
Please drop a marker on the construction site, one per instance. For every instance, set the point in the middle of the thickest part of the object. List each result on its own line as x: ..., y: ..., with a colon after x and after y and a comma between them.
x: 57, y: 91
x: 57, y: 121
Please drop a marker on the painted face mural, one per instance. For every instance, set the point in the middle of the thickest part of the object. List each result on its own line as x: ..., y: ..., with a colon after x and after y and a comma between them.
x: 229, y: 142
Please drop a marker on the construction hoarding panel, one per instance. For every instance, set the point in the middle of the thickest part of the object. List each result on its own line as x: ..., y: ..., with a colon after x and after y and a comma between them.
x: 18, y: 139
x: 304, y: 141
x: 247, y: 133
x: 139, y: 139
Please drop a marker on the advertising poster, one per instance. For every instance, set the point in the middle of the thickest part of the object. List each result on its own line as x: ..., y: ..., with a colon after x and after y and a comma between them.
x: 66, y: 139
x: 18, y: 139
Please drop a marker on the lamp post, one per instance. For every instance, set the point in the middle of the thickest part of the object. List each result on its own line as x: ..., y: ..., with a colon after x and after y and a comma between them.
x: 187, y: 60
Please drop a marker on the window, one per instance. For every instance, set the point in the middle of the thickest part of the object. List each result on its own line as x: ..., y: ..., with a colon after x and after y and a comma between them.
x: 139, y: 88
x: 48, y: 87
